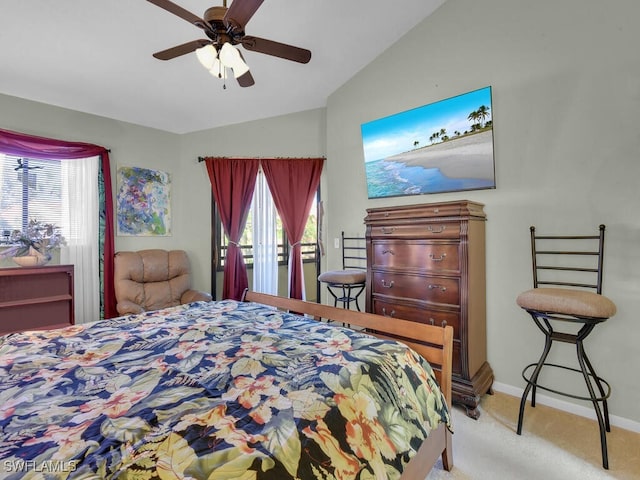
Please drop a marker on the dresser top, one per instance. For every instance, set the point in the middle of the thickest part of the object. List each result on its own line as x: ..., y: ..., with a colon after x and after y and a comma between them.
x: 453, y: 209
x: 39, y: 270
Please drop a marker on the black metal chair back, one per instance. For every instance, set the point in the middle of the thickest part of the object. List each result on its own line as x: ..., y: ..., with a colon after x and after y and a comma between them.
x: 574, y: 261
x: 354, y: 252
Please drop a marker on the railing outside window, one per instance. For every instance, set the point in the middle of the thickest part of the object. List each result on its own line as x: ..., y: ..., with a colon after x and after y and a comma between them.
x: 309, y: 254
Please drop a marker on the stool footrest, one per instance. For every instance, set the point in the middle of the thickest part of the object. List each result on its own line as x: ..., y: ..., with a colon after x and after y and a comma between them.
x: 577, y: 397
x: 347, y: 293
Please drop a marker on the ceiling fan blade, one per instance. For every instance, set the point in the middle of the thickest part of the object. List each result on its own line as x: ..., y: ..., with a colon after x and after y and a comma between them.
x: 239, y: 13
x: 277, y: 49
x: 180, y: 12
x: 246, y: 80
x: 183, y: 49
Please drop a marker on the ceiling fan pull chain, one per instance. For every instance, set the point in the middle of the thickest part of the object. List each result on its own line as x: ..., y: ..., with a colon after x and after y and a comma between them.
x: 223, y: 75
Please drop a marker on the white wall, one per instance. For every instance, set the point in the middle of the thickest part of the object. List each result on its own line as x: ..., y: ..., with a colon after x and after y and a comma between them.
x: 565, y: 77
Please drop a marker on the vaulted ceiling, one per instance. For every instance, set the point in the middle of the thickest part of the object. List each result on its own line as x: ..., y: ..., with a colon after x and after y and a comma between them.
x: 95, y: 56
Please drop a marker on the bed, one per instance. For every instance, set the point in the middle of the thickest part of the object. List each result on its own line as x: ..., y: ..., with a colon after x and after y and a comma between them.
x: 227, y: 390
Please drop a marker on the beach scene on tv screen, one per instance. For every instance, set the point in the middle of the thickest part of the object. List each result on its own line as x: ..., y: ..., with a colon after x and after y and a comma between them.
x: 444, y: 146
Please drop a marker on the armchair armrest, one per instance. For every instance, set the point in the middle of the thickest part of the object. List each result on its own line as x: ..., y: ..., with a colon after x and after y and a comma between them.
x: 195, y: 296
x: 127, y: 307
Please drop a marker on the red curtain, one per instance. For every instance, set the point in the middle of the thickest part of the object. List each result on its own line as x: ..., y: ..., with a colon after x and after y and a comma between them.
x: 233, y: 181
x: 293, y: 183
x: 14, y: 143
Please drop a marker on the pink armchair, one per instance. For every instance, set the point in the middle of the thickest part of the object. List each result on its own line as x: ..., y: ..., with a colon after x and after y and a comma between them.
x: 153, y: 279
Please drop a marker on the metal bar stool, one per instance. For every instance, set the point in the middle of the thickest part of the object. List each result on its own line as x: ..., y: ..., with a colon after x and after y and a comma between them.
x: 346, y: 285
x: 568, y: 261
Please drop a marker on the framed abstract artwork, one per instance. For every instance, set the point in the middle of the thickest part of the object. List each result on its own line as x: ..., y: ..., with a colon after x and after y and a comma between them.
x: 143, y: 202
x: 446, y: 146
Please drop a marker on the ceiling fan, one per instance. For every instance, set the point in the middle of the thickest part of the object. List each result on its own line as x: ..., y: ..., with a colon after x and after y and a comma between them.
x: 224, y: 28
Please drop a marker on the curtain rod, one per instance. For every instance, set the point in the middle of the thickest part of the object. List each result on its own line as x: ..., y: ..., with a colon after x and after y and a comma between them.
x: 202, y: 159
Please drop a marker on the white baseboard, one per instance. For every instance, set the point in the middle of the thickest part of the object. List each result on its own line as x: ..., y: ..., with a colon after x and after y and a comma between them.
x: 569, y: 407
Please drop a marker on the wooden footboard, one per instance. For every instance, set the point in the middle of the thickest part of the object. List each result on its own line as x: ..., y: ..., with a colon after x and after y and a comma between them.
x: 434, y: 343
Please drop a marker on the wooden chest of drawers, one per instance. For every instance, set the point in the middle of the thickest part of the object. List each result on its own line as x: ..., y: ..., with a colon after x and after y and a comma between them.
x: 426, y: 263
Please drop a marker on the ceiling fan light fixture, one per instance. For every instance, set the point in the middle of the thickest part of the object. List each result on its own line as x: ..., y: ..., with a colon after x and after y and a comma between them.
x: 231, y: 58
x: 240, y: 70
x: 225, y: 28
x: 207, y: 56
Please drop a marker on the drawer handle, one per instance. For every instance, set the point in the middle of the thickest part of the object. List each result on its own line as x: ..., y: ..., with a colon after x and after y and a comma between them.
x: 438, y: 259
x: 433, y: 322
x: 387, y: 285
x: 439, y: 230
x: 442, y: 288
x: 387, y: 230
x: 388, y: 251
x: 390, y: 314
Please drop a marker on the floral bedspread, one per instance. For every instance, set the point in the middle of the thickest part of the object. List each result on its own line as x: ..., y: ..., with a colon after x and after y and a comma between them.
x: 220, y: 390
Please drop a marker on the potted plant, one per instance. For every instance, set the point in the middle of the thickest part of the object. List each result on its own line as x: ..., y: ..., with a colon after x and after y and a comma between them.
x: 33, y: 246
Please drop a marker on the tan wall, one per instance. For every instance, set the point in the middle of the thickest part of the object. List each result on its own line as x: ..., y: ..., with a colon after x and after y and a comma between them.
x: 566, y: 93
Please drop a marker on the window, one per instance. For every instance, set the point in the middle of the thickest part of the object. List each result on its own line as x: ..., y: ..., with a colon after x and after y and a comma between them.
x: 65, y: 193
x: 85, y: 202
x: 309, y: 240
x: 31, y: 190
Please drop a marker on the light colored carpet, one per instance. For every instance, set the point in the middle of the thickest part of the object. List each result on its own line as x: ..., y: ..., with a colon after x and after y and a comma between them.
x: 553, y: 445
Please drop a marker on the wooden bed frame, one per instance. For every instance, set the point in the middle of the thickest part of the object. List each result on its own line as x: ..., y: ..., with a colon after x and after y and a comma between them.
x: 434, y: 343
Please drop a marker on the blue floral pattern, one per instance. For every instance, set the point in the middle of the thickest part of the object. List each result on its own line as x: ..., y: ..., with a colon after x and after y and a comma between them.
x: 217, y: 390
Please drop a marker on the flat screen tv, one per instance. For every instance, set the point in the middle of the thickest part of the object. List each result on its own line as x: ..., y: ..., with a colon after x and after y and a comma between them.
x: 446, y: 146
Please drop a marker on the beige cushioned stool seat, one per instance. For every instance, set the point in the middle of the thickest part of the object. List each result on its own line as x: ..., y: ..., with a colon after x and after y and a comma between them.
x: 343, y: 276
x: 580, y: 303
